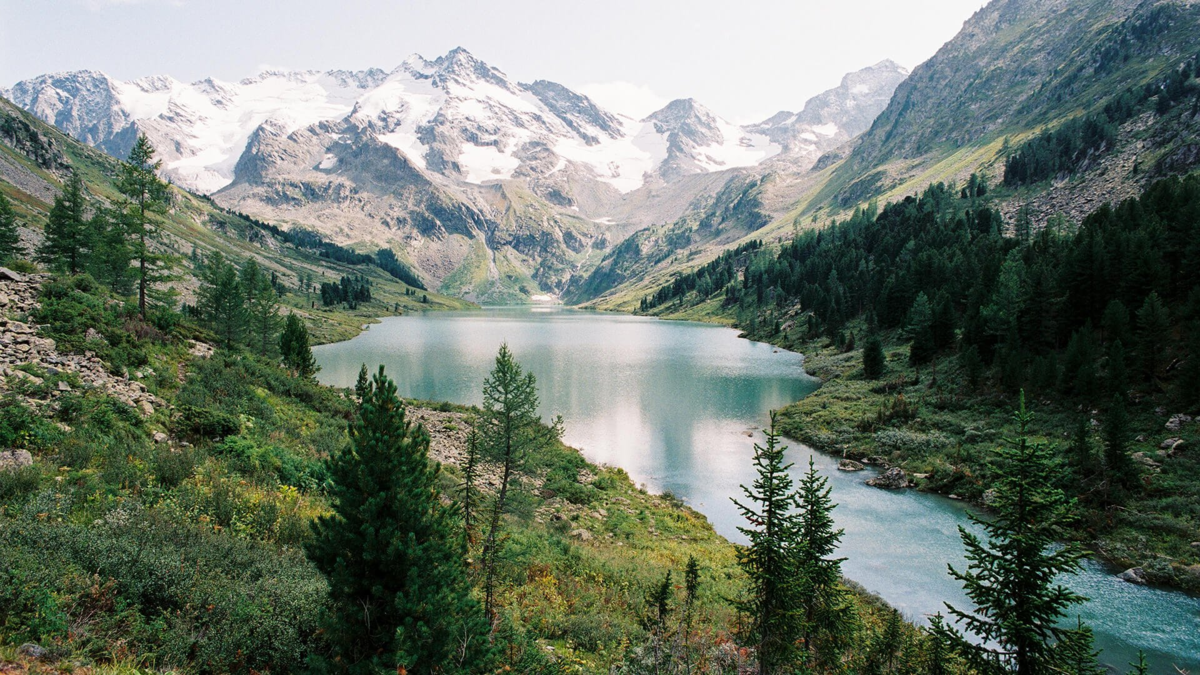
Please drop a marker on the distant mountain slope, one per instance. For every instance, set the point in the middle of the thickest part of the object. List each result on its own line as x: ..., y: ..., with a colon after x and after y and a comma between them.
x: 35, y: 160
x: 491, y: 188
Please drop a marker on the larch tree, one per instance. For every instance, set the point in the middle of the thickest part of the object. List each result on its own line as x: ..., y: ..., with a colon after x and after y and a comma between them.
x: 393, y: 553
x: 145, y: 194
x: 10, y: 236
x: 221, y: 302
x: 66, y: 243
x: 509, y: 429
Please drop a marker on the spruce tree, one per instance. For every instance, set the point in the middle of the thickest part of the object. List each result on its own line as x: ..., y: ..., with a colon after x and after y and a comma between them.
x: 1120, y: 472
x: 1011, y: 578
x: 393, y: 553
x: 221, y: 301
x: 873, y: 358
x: 826, y: 612
x: 774, y: 624
x: 295, y: 350
x: 468, y: 492
x: 66, y: 243
x: 1140, y: 667
x: 145, y: 194
x: 10, y: 236
x: 509, y: 430
x: 943, y: 322
x: 362, y: 384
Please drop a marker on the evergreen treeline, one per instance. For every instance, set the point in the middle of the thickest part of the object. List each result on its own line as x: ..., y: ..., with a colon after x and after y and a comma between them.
x: 1066, y: 309
x: 709, y: 278
x: 351, y: 291
x: 1072, y: 144
x: 387, y: 261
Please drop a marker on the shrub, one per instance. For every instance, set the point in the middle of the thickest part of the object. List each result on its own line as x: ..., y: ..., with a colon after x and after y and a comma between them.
x: 16, y: 483
x: 205, y: 423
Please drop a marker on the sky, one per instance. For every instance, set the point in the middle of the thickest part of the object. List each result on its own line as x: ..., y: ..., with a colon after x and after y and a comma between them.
x: 744, y: 59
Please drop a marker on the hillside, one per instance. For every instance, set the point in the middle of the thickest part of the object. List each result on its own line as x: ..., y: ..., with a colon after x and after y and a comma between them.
x: 1017, y: 72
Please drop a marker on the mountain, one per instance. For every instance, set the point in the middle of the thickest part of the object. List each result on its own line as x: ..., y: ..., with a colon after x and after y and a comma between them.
x: 1087, y: 101
x: 491, y: 188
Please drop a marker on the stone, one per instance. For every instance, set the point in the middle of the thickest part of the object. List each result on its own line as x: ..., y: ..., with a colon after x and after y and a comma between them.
x: 30, y: 650
x: 63, y: 386
x: 1177, y: 448
x: 892, y: 479
x: 849, y: 465
x: 581, y: 534
x: 954, y: 497
x: 11, y: 460
x: 1177, y: 421
x: 1134, y: 575
x: 1168, y: 444
x: 9, y: 275
x: 160, y: 437
x: 145, y: 408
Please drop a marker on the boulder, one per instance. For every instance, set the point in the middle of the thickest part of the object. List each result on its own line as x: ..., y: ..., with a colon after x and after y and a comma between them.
x: 9, y: 275
x: 892, y: 479
x: 160, y: 437
x: 146, y: 408
x: 1177, y: 448
x: 63, y: 386
x: 1177, y: 421
x: 849, y: 465
x: 1134, y: 575
x: 1168, y: 444
x: 30, y: 650
x: 11, y: 460
x: 581, y: 534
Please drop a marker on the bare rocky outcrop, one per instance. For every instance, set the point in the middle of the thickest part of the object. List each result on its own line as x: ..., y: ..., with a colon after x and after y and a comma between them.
x: 21, y: 345
x: 892, y: 479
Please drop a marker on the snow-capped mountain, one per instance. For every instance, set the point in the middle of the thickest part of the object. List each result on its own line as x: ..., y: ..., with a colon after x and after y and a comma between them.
x: 489, y: 187
x: 455, y: 115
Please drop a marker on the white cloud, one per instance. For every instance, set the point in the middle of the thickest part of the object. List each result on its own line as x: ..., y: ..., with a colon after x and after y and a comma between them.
x: 627, y: 98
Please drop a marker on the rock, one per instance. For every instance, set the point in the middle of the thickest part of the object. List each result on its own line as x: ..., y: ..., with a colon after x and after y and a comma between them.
x: 892, y: 479
x: 160, y: 437
x: 1141, y: 458
x: 955, y: 498
x: 1168, y: 444
x: 849, y: 465
x: 30, y: 650
x: 581, y: 534
x: 1134, y: 575
x: 63, y: 386
x: 1177, y: 449
x: 145, y: 407
x: 11, y: 460
x: 1177, y: 421
x: 93, y: 335
x: 9, y: 275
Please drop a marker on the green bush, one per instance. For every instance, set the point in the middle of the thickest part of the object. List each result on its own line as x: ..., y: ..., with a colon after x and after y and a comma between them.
x: 16, y: 483
x: 204, y: 423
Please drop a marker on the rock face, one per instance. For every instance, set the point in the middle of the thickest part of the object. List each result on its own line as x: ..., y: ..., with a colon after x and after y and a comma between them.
x: 20, y: 344
x: 892, y: 479
x: 849, y: 465
x: 1177, y: 421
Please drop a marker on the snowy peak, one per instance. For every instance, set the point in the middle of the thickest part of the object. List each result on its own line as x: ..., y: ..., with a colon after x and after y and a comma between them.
x: 833, y: 117
x: 699, y: 142
x: 577, y: 111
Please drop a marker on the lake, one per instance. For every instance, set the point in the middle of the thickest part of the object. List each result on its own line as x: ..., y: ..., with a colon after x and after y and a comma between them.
x: 679, y: 406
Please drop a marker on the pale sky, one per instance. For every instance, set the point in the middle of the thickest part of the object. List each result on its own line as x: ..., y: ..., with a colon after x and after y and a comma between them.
x: 744, y: 59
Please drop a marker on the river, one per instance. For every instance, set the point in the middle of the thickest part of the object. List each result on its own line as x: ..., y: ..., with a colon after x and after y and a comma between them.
x: 679, y: 406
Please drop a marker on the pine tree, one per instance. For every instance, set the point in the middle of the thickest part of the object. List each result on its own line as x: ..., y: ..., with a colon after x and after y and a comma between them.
x: 825, y: 608
x: 66, y: 243
x: 1011, y: 577
x: 467, y: 491
x: 392, y: 553
x: 295, y: 350
x: 943, y: 323
x: 1140, y: 667
x: 509, y: 430
x: 873, y: 358
x: 10, y: 236
x: 971, y: 365
x: 774, y: 626
x: 1080, y: 455
x: 221, y: 301
x: 1115, y: 322
x: 691, y: 591
x: 145, y: 194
